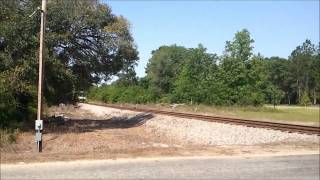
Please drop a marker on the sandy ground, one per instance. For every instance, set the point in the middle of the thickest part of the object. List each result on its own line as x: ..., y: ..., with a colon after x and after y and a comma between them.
x: 93, y: 132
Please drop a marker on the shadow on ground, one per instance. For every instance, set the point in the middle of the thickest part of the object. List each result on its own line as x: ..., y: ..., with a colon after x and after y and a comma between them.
x: 61, y: 125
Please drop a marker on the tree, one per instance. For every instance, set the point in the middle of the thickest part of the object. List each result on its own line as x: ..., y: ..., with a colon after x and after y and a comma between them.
x: 274, y: 95
x: 85, y: 44
x: 238, y: 72
x: 127, y: 77
x: 164, y: 67
x: 241, y: 46
x: 315, y: 76
x: 278, y: 70
x: 301, y: 61
x: 257, y: 80
x: 89, y: 40
x: 192, y: 84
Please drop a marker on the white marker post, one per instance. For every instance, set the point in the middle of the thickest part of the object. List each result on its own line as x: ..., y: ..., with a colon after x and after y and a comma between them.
x: 39, y: 122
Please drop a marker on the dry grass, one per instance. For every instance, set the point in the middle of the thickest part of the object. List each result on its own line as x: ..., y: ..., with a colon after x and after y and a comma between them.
x: 85, y: 136
x: 8, y: 137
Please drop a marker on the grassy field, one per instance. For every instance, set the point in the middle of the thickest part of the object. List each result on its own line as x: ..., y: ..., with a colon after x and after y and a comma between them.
x: 285, y: 114
x: 302, y: 115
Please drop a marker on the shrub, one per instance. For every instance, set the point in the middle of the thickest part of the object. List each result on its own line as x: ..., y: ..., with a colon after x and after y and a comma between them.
x: 305, y: 100
x: 121, y: 94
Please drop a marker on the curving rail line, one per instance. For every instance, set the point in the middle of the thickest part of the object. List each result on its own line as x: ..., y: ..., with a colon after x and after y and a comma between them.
x: 246, y: 122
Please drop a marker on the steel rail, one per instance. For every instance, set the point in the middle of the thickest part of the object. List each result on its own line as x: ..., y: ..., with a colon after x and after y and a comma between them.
x: 246, y: 122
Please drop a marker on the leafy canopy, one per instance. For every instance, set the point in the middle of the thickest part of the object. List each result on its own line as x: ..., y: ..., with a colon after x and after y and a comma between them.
x: 85, y: 44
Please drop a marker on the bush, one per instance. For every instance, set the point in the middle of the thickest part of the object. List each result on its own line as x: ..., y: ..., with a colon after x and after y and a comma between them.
x: 305, y: 100
x: 121, y: 94
x: 16, y: 108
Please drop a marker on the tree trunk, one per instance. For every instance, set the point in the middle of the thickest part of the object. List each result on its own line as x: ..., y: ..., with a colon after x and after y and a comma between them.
x: 314, y: 96
x: 298, y: 91
x: 299, y: 94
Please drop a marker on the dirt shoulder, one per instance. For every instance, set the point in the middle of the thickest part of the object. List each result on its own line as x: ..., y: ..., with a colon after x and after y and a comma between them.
x: 91, y: 132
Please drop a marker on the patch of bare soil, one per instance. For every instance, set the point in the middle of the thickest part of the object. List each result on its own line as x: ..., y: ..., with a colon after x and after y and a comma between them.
x: 106, y: 133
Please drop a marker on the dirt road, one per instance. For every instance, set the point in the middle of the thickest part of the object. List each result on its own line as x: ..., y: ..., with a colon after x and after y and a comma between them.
x: 281, y: 167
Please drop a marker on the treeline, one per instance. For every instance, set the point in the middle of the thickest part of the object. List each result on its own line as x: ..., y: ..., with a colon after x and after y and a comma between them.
x: 85, y: 43
x: 176, y: 74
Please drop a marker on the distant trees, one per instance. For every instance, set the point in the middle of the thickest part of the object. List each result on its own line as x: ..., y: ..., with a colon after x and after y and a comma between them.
x: 238, y: 77
x: 279, y: 76
x: 297, y: 75
x: 243, y: 73
x: 197, y: 77
x: 85, y: 44
x: 164, y: 66
x: 304, y: 67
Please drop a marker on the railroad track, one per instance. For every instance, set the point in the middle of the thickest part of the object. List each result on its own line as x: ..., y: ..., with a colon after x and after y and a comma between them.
x: 246, y: 122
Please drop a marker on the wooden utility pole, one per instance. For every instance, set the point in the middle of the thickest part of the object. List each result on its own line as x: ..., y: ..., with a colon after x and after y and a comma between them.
x: 39, y: 122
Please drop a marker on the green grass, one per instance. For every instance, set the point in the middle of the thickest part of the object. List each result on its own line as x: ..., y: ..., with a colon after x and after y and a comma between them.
x: 285, y: 114
x: 293, y: 115
x: 301, y: 115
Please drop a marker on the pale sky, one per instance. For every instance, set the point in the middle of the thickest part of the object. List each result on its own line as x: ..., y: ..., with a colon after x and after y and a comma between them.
x: 276, y: 26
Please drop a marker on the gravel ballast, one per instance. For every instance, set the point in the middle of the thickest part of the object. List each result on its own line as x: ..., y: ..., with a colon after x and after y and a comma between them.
x: 196, y: 132
x: 213, y: 133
